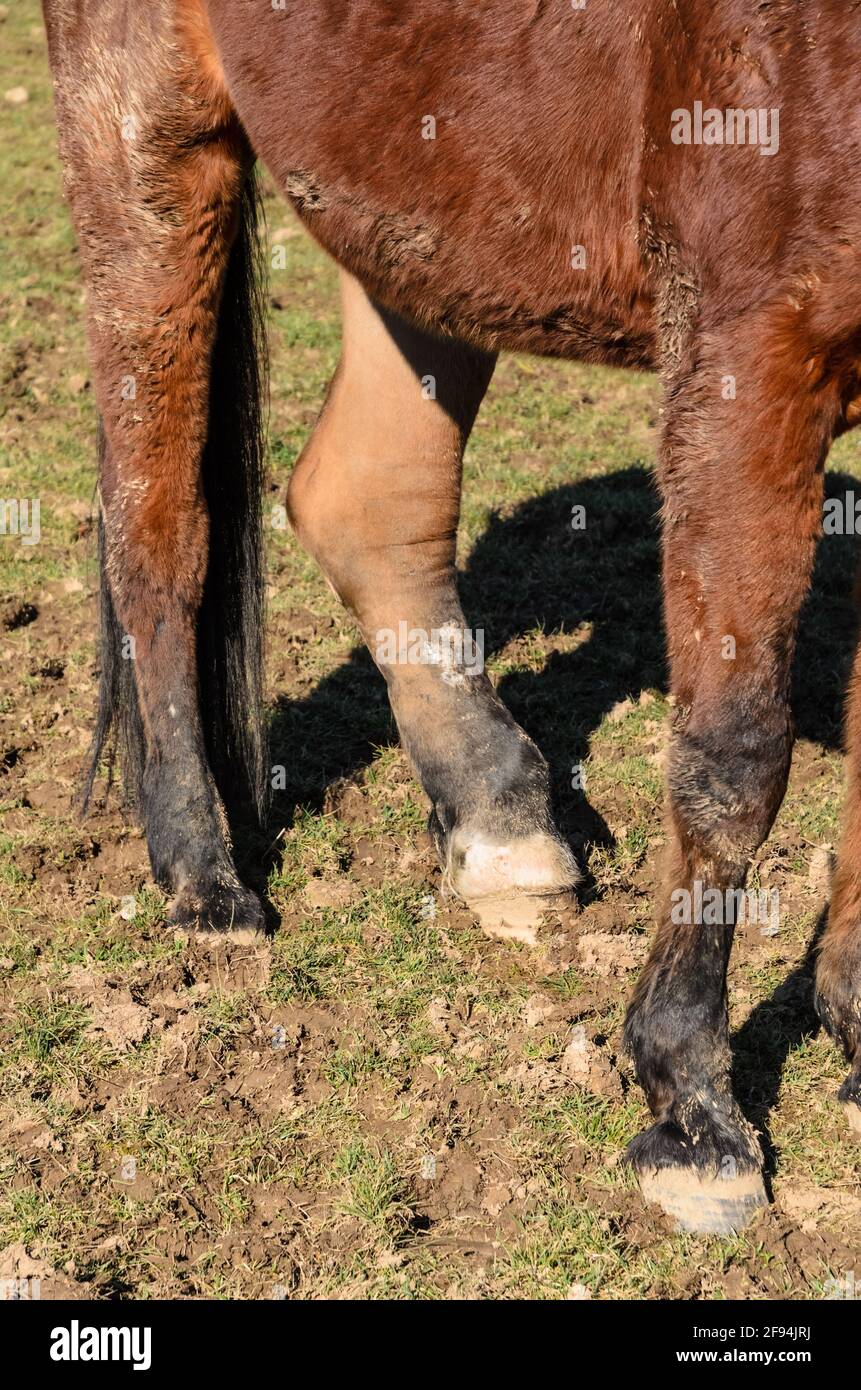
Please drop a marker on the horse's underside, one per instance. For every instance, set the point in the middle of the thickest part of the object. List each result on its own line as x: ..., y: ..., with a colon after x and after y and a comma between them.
x: 468, y: 226
x: 494, y: 176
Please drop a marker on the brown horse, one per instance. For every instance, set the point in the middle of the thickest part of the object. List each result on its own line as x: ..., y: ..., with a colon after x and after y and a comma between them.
x: 658, y: 183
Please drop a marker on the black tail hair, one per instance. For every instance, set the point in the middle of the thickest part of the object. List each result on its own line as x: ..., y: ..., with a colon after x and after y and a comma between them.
x: 231, y: 620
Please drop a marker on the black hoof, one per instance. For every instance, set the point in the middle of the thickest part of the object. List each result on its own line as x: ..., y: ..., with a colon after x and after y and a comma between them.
x: 713, y: 1186
x: 221, y: 911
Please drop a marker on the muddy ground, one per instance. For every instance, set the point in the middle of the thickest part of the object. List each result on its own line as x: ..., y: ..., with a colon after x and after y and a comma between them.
x: 383, y: 1101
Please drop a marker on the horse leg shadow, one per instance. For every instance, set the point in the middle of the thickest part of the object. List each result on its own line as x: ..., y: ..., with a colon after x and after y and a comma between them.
x: 773, y: 1029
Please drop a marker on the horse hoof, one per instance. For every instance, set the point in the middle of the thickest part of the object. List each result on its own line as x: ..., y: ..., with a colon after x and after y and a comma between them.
x: 225, y: 912
x: 708, y: 1204
x: 853, y: 1115
x: 517, y: 916
x: 509, y: 885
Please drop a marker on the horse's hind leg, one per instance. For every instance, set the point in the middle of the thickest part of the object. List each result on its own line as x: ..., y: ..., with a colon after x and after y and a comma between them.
x: 838, y: 974
x: 155, y: 166
x: 376, y: 498
x: 742, y: 510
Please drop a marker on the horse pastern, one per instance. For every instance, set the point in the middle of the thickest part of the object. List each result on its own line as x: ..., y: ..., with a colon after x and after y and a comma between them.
x: 219, y: 910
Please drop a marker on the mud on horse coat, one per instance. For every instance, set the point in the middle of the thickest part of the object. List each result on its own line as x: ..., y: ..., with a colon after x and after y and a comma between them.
x: 659, y: 184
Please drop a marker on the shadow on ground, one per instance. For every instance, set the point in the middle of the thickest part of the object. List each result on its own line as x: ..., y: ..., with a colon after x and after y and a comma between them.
x: 772, y: 1030
x: 531, y: 569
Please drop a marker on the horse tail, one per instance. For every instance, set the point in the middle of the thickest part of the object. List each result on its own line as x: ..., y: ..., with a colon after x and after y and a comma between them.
x: 231, y: 625
x: 231, y: 619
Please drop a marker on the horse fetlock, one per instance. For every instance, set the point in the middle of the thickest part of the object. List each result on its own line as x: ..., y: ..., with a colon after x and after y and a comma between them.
x: 489, y: 788
x: 194, y: 864
x: 676, y: 1025
x: 704, y: 1130
x: 189, y: 847
x: 838, y: 1004
x: 494, y: 830
x: 849, y: 1095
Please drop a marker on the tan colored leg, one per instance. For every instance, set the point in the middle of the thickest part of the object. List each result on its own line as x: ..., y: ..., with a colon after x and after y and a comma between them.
x: 375, y: 497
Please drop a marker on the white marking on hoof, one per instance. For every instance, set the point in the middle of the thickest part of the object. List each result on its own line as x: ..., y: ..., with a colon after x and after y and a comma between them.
x: 481, y: 868
x: 707, y: 1204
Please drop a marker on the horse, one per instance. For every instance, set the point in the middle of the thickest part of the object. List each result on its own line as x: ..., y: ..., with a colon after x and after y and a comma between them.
x: 662, y: 185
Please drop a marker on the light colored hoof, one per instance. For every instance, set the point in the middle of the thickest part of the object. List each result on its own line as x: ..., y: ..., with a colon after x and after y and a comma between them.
x: 510, y: 886
x: 853, y: 1115
x: 516, y: 916
x: 706, y: 1204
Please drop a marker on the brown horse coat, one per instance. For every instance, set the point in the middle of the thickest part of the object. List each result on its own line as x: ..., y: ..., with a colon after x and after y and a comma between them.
x: 659, y: 183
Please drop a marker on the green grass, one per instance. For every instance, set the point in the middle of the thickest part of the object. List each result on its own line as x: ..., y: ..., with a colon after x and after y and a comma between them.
x: 401, y: 1027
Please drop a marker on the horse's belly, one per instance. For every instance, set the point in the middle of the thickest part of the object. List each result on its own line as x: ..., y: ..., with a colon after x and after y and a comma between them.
x: 509, y: 277
x: 455, y: 160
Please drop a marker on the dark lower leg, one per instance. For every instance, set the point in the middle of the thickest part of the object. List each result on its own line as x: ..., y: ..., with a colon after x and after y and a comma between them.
x: 184, y: 819
x: 732, y: 601
x: 376, y: 498
x: 701, y: 1159
x: 156, y: 549
x: 156, y: 215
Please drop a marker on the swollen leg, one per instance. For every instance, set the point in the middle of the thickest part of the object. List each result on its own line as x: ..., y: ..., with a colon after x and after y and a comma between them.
x: 376, y: 498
